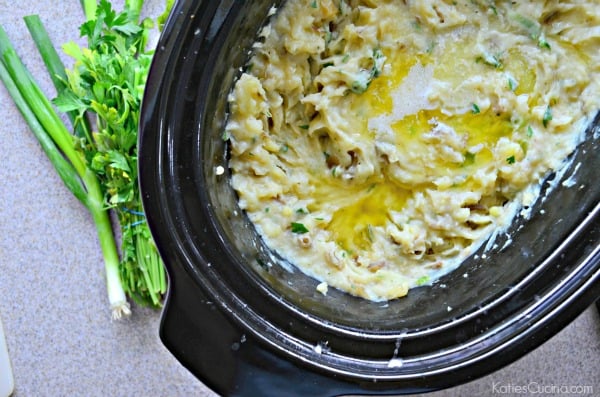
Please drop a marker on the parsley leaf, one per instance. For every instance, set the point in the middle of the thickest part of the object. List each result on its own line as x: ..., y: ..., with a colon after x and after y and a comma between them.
x: 547, y: 116
x: 529, y: 131
x: 299, y: 228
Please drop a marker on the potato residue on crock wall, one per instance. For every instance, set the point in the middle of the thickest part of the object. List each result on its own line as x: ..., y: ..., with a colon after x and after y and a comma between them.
x: 377, y: 144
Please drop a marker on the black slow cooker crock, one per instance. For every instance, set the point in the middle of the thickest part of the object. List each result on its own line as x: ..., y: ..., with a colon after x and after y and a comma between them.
x: 247, y: 325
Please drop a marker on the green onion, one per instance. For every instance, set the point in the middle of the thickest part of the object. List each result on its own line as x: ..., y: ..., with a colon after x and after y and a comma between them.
x: 57, y: 143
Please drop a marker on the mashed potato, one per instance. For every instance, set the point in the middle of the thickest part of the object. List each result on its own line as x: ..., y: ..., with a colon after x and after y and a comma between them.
x: 377, y: 144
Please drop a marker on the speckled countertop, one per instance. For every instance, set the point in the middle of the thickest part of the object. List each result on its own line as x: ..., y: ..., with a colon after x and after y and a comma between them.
x: 53, y: 303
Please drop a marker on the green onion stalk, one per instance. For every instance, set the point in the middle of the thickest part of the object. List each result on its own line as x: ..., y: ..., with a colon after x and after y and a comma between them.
x: 57, y: 143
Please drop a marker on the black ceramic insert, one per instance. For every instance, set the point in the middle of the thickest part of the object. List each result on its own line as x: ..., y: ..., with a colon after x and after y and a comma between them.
x: 247, y: 326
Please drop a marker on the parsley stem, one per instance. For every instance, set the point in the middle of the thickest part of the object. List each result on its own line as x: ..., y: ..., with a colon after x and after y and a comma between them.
x: 135, y: 8
x: 162, y: 18
x: 89, y: 8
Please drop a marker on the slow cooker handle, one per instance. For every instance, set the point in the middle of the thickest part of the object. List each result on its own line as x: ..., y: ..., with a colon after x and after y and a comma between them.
x: 195, y: 332
x: 225, y: 358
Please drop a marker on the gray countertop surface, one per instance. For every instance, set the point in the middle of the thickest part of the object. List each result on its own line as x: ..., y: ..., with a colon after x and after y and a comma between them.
x: 53, y: 302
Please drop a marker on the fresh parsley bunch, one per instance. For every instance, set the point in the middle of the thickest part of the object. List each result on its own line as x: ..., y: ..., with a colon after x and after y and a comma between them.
x: 107, y: 82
